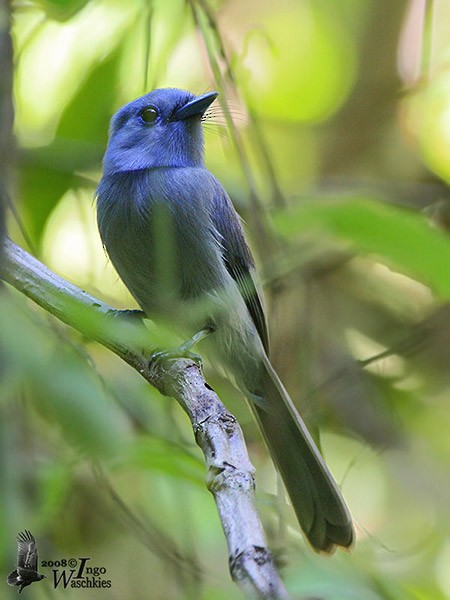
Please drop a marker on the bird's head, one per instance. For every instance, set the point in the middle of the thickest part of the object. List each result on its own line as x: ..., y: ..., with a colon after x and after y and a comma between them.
x: 160, y: 129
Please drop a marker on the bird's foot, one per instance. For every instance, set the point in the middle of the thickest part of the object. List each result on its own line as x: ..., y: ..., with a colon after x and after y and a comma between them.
x: 183, y: 351
x: 163, y: 355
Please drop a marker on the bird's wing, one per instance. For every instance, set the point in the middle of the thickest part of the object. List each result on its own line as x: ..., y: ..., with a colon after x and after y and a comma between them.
x: 27, y: 557
x: 238, y: 259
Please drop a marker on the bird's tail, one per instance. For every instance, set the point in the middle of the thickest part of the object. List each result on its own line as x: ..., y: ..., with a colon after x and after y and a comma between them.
x: 317, y: 501
x: 13, y: 578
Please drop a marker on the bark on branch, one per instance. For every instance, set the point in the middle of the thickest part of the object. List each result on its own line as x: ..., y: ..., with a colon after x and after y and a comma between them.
x: 230, y: 475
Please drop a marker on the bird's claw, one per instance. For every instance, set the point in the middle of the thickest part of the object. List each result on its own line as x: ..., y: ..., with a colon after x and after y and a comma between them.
x: 180, y: 352
x: 184, y: 351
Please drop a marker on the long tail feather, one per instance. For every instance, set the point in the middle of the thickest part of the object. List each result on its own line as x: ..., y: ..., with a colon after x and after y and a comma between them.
x: 317, y: 501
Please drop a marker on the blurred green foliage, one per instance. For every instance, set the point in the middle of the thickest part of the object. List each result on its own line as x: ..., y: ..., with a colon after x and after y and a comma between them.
x: 341, y: 124
x: 389, y: 233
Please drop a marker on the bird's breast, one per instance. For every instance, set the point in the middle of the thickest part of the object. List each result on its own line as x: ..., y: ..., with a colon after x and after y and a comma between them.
x: 156, y: 228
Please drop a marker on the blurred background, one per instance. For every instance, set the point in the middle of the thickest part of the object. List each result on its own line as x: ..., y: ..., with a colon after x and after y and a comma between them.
x: 333, y: 140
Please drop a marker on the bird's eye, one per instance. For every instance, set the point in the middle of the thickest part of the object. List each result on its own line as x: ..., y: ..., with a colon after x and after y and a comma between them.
x: 149, y: 114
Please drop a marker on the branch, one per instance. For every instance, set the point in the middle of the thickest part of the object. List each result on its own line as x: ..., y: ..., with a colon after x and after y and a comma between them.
x: 230, y: 475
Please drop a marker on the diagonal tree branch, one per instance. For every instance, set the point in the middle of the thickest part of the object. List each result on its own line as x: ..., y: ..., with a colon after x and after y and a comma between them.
x: 230, y: 475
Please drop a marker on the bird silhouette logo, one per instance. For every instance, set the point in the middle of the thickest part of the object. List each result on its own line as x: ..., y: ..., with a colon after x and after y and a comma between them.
x: 27, y: 562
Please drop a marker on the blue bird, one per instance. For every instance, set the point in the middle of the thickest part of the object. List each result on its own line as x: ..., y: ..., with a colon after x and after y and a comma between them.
x: 176, y: 241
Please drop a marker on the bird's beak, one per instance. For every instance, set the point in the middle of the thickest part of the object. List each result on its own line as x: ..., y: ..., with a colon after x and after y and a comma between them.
x: 195, y: 107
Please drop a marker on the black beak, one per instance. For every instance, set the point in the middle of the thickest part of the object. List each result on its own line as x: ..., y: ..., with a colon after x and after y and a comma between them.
x: 195, y: 107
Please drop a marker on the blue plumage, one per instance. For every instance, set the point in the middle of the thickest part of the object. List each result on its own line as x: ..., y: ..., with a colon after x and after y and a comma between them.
x: 176, y: 241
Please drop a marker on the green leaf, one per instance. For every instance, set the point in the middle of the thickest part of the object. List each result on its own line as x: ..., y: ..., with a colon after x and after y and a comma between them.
x: 61, y: 10
x: 41, y: 187
x: 87, y: 116
x: 403, y: 240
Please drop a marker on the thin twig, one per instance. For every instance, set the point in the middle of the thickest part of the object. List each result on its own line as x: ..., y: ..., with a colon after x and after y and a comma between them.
x: 224, y: 76
x: 230, y: 475
x: 6, y: 109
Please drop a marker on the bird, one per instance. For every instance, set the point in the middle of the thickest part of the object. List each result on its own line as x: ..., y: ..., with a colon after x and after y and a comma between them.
x: 176, y: 241
x: 26, y: 571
